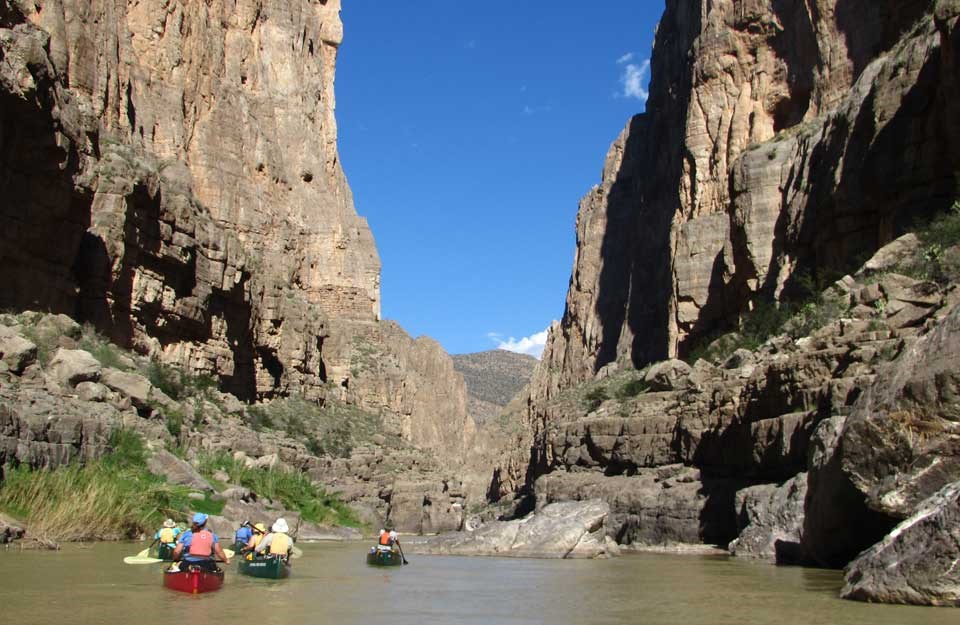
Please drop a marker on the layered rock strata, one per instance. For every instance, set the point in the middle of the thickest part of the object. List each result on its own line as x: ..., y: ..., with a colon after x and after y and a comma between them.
x: 182, y: 156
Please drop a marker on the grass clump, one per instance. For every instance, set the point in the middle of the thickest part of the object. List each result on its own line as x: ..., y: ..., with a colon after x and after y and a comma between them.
x: 292, y: 488
x: 111, y: 498
x: 632, y: 388
x: 100, y: 347
x: 178, y: 384
x: 594, y: 398
x: 939, y: 259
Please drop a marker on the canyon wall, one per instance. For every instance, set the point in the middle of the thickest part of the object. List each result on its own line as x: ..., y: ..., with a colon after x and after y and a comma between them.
x: 780, y: 140
x: 169, y: 173
x: 783, y: 145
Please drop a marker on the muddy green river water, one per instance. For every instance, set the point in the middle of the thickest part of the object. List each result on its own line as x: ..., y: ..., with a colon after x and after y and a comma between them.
x: 331, y: 584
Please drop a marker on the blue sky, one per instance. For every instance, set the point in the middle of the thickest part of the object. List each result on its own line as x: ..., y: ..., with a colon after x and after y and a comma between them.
x: 468, y: 133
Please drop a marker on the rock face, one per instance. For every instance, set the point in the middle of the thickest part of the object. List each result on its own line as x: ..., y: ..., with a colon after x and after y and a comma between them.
x: 899, y: 446
x: 560, y: 530
x: 778, y: 141
x: 917, y: 562
x: 771, y: 521
x: 783, y: 143
x: 183, y: 157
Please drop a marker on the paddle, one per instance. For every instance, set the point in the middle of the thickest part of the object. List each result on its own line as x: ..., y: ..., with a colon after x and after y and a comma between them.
x: 296, y: 552
x: 402, y: 557
x: 138, y: 559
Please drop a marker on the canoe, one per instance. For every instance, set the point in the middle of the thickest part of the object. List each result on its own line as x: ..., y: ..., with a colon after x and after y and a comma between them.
x: 384, y: 558
x: 266, y: 568
x: 165, y: 552
x: 193, y: 579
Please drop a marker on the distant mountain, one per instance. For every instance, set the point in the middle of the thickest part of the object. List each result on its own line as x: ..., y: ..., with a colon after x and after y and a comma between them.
x: 492, y: 378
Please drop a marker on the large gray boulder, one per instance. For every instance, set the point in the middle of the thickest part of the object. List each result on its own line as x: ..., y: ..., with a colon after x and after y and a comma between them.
x: 669, y: 375
x: 772, y: 518
x: 132, y: 385
x: 15, y: 351
x: 917, y: 562
x: 177, y: 471
x: 570, y: 529
x: 72, y: 366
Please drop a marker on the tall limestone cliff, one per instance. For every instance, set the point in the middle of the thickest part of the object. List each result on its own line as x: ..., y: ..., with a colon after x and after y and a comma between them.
x: 169, y: 173
x: 780, y: 139
x: 784, y: 144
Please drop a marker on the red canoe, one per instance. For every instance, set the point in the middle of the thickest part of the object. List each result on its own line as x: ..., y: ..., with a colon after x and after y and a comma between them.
x: 193, y: 579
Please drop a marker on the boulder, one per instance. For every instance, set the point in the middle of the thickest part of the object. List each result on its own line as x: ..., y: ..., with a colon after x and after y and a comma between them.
x: 72, y: 366
x: 92, y: 391
x: 177, y: 471
x: 570, y: 529
x: 10, y: 529
x: 892, y: 254
x: 669, y: 375
x: 916, y: 563
x: 58, y: 325
x: 771, y: 518
x: 15, y: 351
x: 132, y: 385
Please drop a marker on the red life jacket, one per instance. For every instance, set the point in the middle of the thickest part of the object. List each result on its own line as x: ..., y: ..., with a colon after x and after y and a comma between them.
x: 201, y: 545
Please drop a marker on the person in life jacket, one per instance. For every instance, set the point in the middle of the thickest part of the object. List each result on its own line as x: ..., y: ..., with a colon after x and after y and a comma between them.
x: 167, y: 535
x: 387, y: 540
x: 277, y: 542
x: 242, y: 536
x: 198, y: 545
x: 259, y: 530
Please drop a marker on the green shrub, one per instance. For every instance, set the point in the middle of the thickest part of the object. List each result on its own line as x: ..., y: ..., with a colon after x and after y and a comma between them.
x: 632, y: 389
x: 292, y: 488
x: 100, y: 347
x: 595, y: 397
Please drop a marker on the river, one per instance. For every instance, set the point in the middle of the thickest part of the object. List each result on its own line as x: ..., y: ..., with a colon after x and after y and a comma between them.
x: 331, y: 584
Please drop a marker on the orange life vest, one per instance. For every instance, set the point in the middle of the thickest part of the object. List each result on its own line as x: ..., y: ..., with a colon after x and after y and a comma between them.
x: 385, y: 539
x: 201, y: 544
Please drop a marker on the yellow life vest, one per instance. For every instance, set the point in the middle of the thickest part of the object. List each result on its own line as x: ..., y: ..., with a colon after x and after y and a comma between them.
x: 279, y: 544
x: 166, y: 535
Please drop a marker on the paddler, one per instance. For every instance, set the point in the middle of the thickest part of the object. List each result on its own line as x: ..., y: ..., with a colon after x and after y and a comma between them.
x: 242, y: 536
x: 259, y: 530
x: 167, y: 535
x: 277, y: 542
x: 198, y: 545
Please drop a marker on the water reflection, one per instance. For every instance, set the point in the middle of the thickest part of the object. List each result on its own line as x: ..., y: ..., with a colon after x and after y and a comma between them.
x: 332, y: 585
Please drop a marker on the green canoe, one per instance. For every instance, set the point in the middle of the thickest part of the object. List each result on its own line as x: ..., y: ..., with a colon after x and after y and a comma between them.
x: 267, y: 568
x: 384, y: 558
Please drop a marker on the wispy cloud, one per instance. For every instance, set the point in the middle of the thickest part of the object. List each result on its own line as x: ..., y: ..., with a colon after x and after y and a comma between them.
x: 533, y: 110
x: 632, y: 77
x: 532, y: 345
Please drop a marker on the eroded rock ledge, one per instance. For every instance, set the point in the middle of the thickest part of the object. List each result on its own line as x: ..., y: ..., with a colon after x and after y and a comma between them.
x: 560, y: 530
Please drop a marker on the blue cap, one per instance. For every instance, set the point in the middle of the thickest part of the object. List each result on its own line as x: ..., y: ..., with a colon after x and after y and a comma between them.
x: 199, y: 518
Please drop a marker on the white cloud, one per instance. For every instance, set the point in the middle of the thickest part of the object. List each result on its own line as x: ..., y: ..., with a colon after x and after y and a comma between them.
x: 632, y: 80
x: 532, y: 345
x: 626, y: 58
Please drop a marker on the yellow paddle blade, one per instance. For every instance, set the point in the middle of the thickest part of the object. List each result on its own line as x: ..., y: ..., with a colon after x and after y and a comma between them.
x: 140, y: 560
x: 144, y: 554
x: 228, y: 552
x: 296, y: 552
